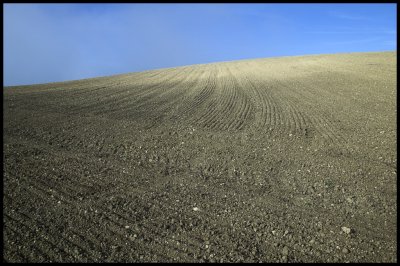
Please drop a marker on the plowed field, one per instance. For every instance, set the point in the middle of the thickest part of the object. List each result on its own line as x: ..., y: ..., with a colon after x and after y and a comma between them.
x: 289, y: 159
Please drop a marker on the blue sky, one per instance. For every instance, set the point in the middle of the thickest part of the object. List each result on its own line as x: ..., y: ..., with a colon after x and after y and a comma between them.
x: 58, y: 42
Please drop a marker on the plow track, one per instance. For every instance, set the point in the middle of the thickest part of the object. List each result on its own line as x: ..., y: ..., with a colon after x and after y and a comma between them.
x: 246, y: 161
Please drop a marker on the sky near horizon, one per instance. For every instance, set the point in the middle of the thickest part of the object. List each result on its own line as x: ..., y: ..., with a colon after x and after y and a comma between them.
x: 58, y: 42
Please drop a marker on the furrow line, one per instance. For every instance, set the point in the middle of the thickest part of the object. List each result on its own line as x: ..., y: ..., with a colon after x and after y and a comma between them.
x: 322, y: 125
x: 214, y: 106
x: 209, y: 89
x: 168, y: 99
x: 189, y: 102
x: 40, y: 190
x: 17, y: 257
x: 230, y: 111
x: 43, y: 246
x: 297, y: 115
x: 153, y: 229
x: 228, y: 95
x: 129, y: 94
x: 165, y: 85
x: 94, y: 101
x: 27, y: 250
x: 135, y: 103
x: 261, y: 102
x: 106, y: 100
x: 146, y: 228
x: 318, y: 123
x: 246, y: 107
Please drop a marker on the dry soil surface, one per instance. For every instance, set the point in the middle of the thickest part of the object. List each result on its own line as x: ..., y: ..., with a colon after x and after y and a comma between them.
x: 288, y: 159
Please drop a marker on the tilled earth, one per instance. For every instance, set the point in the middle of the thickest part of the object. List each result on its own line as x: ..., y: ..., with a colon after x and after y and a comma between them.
x: 271, y: 160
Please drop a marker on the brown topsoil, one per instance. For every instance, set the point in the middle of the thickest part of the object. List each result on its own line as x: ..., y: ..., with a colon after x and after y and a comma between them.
x: 288, y: 159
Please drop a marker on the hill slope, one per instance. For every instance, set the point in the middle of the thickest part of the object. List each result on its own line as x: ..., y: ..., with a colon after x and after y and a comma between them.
x: 252, y: 160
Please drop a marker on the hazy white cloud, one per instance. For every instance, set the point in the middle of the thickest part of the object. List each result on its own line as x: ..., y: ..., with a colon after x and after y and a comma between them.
x: 32, y: 45
x: 343, y: 15
x: 390, y: 43
x: 60, y: 42
x: 45, y: 43
x: 352, y: 31
x: 354, y: 41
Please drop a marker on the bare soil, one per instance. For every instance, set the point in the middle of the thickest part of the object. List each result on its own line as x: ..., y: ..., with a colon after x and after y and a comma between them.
x: 288, y: 159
